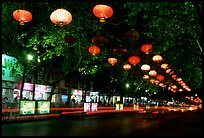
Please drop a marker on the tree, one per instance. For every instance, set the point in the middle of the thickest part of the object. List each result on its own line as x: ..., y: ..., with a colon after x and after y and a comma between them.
x: 164, y: 24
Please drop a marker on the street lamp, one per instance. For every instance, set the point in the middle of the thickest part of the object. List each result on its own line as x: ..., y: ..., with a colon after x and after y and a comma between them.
x: 30, y: 57
x: 127, y: 85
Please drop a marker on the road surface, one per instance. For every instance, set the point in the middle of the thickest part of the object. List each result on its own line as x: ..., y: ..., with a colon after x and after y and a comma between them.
x: 129, y: 124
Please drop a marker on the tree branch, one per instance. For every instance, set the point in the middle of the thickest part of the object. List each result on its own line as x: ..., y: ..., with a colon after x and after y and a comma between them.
x: 199, y: 45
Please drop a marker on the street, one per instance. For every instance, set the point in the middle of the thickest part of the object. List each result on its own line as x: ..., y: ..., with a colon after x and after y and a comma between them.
x: 129, y: 124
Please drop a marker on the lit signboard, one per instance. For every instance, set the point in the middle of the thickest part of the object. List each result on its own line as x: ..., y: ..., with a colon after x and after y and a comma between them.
x: 118, y: 106
x: 87, y: 107
x: 10, y: 68
x: 94, y: 106
x: 43, y: 107
x: 27, y: 107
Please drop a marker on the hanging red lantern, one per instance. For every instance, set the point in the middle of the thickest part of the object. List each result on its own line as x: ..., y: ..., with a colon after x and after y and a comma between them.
x: 172, y: 72
x: 157, y: 58
x: 102, y: 12
x: 145, y: 77
x: 127, y: 67
x: 161, y: 84
x: 69, y: 39
x: 152, y: 73
x: 132, y: 34
x: 99, y: 40
x: 61, y: 17
x: 160, y: 77
x: 119, y: 50
x: 22, y: 16
x: 180, y: 90
x: 174, y: 76
x: 145, y: 67
x: 146, y: 48
x: 112, y: 61
x: 168, y: 70
x: 179, y: 79
x: 152, y: 81
x: 134, y: 60
x: 156, y: 82
x: 174, y: 87
x: 94, y: 50
x: 173, y: 90
x: 164, y: 66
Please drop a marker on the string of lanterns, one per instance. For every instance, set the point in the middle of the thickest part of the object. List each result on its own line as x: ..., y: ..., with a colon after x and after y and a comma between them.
x: 63, y: 17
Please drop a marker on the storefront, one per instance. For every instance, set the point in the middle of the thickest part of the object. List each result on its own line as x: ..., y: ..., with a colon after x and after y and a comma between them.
x: 41, y: 91
x: 11, y: 73
x: 76, y: 95
x: 8, y: 91
x: 27, y: 90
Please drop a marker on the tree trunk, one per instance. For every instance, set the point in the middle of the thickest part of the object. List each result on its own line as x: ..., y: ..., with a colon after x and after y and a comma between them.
x: 69, y: 97
x: 22, y: 84
x: 34, y: 82
x: 51, y: 93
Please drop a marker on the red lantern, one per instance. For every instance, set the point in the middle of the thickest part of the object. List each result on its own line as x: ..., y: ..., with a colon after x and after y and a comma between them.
x: 152, y: 81
x: 156, y: 82
x: 94, y: 50
x: 160, y: 77
x: 174, y: 87
x: 172, y: 72
x: 69, y: 39
x: 103, y: 12
x: 127, y: 67
x: 145, y: 67
x: 134, y: 60
x: 178, y: 79
x: 112, y: 61
x: 168, y: 70
x: 157, y: 58
x: 119, y: 51
x: 22, y: 16
x: 161, y: 84
x: 132, y: 34
x: 164, y: 66
x: 174, y: 76
x: 180, y: 90
x: 145, y: 77
x: 146, y: 48
x: 99, y: 40
x: 173, y: 90
x: 61, y: 17
x: 152, y: 73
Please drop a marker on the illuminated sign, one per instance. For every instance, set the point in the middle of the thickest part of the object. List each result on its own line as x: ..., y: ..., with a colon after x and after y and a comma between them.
x: 43, y: 107
x: 27, y: 107
x: 42, y: 88
x: 10, y: 68
x: 26, y: 86
x: 94, y: 106
x: 87, y: 107
x: 118, y: 106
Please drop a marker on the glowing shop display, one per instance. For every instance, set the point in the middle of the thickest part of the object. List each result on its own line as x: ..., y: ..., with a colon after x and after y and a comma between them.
x: 94, y: 106
x: 11, y: 68
x: 87, y: 107
x: 118, y: 106
x: 27, y: 107
x: 43, y: 107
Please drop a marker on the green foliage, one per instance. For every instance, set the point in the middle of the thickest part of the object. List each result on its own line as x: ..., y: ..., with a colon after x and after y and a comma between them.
x: 172, y: 27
